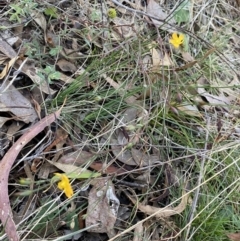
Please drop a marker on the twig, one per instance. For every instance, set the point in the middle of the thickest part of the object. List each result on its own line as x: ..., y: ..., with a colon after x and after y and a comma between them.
x: 5, y: 167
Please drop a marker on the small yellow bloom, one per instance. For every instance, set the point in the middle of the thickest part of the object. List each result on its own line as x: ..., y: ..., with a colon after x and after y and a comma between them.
x: 112, y: 13
x: 177, y: 39
x: 65, y: 185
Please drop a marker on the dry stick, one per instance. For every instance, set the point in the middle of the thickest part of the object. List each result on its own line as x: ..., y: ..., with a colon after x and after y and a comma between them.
x: 5, y: 167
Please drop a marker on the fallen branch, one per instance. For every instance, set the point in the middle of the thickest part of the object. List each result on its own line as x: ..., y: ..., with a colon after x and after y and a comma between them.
x: 5, y: 167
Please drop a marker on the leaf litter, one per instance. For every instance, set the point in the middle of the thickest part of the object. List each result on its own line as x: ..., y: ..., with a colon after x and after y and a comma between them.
x: 51, y: 53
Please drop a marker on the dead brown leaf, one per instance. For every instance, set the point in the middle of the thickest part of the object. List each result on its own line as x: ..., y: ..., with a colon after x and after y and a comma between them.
x: 159, y: 59
x: 138, y: 232
x: 189, y: 109
x: 234, y: 236
x: 13, y: 128
x: 3, y: 120
x: 123, y: 27
x: 143, y: 159
x: 122, y: 154
x: 66, y: 79
x: 31, y: 71
x: 160, y: 212
x: 101, y: 167
x: 102, y: 207
x: 78, y: 158
x: 70, y: 168
x: 219, y: 101
x: 13, y: 101
x: 66, y: 66
x: 7, y: 49
x: 187, y: 57
x: 8, y: 35
x: 154, y: 9
x: 39, y: 18
x: 7, y: 67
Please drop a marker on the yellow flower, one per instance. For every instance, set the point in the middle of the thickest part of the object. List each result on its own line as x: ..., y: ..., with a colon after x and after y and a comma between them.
x: 65, y: 185
x: 112, y: 13
x: 177, y: 39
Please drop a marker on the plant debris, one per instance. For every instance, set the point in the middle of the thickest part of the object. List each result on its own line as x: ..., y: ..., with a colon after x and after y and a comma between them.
x: 148, y: 93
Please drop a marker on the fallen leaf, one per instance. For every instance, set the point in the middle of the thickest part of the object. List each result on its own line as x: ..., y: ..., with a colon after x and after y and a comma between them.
x: 66, y: 66
x: 13, y: 101
x: 155, y: 57
x: 13, y: 128
x: 3, y: 59
x: 66, y: 79
x: 102, y: 207
x: 160, y: 212
x: 78, y: 158
x: 143, y: 159
x: 189, y: 109
x: 166, y: 61
x: 101, y: 167
x: 74, y: 171
x: 31, y: 71
x: 7, y: 50
x: 123, y: 28
x: 7, y: 67
x: 138, y: 232
x: 129, y: 116
x: 234, y: 236
x: 60, y: 135
x: 146, y: 62
x: 122, y: 154
x: 9, y: 38
x: 3, y: 120
x: 156, y: 11
x: 187, y: 57
x: 219, y: 101
x: 45, y: 170
x: 39, y: 18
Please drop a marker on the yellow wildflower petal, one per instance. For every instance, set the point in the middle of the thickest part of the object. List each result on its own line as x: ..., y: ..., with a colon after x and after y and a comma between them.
x: 68, y: 191
x: 65, y: 185
x: 176, y: 40
x: 61, y: 185
x: 174, y: 36
x: 181, y: 37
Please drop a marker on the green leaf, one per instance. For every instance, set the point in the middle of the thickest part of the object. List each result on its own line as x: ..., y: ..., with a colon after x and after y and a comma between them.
x: 51, y: 11
x: 73, y: 171
x: 55, y: 75
x: 83, y: 175
x: 55, y: 51
x: 182, y: 14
